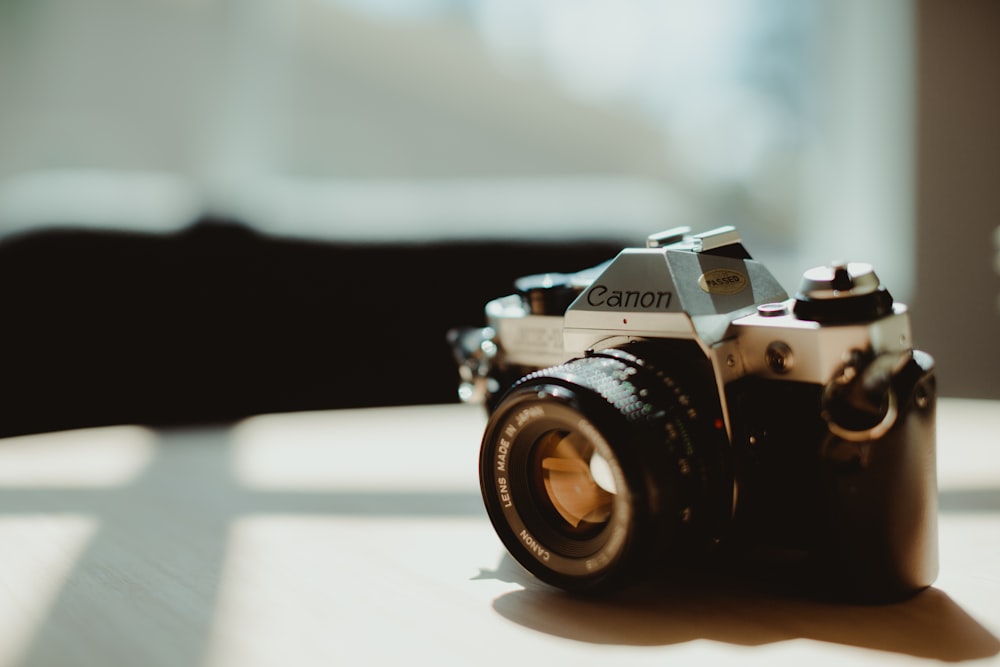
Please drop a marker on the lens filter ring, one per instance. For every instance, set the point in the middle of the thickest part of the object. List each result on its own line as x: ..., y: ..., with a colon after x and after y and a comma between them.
x: 553, y: 487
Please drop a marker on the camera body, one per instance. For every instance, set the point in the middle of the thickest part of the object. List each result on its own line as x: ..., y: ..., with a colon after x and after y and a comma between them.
x: 673, y: 408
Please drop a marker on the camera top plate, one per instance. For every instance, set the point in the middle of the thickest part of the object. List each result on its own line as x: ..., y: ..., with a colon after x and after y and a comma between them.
x: 679, y: 286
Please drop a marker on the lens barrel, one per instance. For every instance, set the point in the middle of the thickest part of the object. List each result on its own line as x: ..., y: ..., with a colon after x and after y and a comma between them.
x: 597, y: 469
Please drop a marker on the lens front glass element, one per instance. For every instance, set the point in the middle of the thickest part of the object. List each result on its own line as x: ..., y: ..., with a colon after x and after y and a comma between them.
x: 574, y: 481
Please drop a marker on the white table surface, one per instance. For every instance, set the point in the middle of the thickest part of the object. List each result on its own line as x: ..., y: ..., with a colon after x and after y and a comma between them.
x: 359, y: 538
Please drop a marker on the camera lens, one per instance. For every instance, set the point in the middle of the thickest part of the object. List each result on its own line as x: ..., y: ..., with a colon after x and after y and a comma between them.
x: 594, y: 470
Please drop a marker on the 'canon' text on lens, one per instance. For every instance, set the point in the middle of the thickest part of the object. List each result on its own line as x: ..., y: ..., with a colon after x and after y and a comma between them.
x: 533, y: 545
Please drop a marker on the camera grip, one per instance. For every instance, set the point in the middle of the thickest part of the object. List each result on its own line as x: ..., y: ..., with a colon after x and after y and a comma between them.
x: 881, y: 495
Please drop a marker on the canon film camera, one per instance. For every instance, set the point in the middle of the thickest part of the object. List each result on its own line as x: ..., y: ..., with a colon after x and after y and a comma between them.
x: 673, y: 408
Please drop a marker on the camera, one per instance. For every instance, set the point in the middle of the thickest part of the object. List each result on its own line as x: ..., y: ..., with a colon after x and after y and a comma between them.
x: 673, y: 409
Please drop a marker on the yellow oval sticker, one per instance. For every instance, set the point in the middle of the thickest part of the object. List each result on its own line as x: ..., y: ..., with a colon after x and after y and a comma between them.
x: 723, y: 281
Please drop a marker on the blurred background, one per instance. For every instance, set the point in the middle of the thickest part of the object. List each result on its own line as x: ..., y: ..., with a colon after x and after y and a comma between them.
x: 251, y: 204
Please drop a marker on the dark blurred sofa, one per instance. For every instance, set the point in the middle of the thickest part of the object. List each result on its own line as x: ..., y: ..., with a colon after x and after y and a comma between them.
x: 218, y: 322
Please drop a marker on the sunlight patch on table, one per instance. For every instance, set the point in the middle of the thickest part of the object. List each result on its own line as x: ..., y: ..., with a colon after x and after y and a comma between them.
x: 34, y: 573
x: 305, y: 590
x: 966, y: 441
x: 361, y: 449
x: 91, y: 458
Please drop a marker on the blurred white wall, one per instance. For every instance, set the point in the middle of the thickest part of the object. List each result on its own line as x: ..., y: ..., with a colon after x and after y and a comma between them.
x: 342, y: 118
x: 223, y: 103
